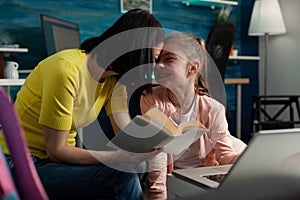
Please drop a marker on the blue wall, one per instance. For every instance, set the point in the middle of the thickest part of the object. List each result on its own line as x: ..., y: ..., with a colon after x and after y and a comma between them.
x: 22, y: 20
x: 20, y: 23
x: 249, y: 68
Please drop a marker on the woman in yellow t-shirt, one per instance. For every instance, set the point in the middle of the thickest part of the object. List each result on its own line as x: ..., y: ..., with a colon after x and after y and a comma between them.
x: 67, y: 90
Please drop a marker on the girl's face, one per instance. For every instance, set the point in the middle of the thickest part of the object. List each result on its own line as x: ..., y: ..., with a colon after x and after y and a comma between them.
x: 171, y: 68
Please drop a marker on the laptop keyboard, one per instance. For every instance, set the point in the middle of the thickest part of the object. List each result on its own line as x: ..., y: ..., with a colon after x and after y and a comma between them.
x: 217, y: 177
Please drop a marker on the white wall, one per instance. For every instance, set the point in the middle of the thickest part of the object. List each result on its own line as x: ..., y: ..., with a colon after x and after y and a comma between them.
x: 284, y: 54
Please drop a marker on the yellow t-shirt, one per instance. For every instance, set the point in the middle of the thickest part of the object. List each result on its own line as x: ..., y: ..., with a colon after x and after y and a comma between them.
x: 61, y: 94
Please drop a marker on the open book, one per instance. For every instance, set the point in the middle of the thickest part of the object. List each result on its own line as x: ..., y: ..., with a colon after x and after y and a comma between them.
x: 155, y: 130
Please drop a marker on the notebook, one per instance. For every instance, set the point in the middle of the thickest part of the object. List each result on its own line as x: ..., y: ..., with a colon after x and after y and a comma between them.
x: 269, y: 152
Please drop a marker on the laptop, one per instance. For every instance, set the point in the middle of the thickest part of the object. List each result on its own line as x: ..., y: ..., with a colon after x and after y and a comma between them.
x: 269, y: 152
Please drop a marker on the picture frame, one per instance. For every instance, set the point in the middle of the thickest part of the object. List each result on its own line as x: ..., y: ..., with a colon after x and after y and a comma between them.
x: 131, y: 4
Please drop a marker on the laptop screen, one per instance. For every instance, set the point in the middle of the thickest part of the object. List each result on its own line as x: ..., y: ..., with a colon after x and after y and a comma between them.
x: 269, y: 153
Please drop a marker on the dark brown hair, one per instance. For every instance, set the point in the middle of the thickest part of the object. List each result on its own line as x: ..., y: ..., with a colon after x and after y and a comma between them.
x: 133, y: 19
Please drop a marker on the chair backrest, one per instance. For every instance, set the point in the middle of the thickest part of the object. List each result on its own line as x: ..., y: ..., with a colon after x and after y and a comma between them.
x: 7, y: 187
x: 219, y: 42
x: 237, y: 144
x: 26, y: 178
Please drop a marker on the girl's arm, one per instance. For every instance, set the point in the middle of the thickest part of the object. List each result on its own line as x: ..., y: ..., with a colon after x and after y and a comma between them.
x: 220, y: 135
x: 156, y: 182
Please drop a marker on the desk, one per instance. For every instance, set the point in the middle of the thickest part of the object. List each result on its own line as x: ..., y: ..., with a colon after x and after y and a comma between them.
x: 8, y: 50
x: 238, y: 82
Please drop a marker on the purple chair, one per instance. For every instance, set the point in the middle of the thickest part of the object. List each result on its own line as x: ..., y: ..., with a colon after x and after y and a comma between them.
x: 7, y: 188
x: 26, y: 178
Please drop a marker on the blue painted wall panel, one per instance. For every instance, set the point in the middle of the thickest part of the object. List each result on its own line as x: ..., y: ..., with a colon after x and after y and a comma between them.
x: 20, y: 23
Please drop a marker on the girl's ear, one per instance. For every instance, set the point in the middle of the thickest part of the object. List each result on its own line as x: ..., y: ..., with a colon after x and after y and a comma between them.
x: 194, y: 67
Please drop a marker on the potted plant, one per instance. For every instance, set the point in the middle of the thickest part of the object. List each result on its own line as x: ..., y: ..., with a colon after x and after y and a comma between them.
x: 234, y: 51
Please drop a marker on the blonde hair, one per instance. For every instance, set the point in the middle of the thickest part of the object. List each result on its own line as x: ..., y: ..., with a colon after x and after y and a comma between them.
x: 194, y: 49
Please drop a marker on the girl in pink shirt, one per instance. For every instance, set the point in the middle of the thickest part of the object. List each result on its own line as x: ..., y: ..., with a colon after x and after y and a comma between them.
x: 183, y: 95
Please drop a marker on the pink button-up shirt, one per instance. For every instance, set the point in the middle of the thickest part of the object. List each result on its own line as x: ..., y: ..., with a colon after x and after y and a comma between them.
x: 213, y: 148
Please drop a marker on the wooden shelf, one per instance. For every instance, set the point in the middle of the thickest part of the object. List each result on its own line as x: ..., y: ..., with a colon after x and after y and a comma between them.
x: 4, y: 50
x: 244, y: 57
x: 11, y: 82
x: 13, y: 50
x: 25, y: 71
x: 209, y: 3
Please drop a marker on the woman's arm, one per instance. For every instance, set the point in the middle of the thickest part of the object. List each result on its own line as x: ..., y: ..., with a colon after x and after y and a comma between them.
x: 58, y: 151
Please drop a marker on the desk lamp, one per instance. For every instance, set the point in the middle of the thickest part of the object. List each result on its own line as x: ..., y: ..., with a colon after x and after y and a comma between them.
x: 266, y: 19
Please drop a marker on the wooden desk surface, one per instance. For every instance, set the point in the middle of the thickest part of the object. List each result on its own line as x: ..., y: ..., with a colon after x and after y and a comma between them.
x: 237, y: 81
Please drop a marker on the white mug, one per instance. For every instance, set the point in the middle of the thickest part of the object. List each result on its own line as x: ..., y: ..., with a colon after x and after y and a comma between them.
x: 11, y: 70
